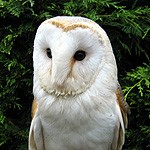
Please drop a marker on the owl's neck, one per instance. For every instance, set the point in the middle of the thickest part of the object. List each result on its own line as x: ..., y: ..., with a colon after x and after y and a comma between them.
x: 67, y: 108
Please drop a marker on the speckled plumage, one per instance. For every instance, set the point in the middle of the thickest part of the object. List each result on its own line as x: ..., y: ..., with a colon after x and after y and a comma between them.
x: 78, y: 105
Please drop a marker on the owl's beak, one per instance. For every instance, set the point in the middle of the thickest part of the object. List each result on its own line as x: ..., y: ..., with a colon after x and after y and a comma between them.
x: 59, y: 72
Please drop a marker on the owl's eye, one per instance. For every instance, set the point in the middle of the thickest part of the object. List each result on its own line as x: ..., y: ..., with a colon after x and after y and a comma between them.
x: 79, y: 55
x: 49, y: 54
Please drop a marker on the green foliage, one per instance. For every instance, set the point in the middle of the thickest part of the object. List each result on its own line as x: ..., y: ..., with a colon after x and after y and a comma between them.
x: 137, y: 92
x: 126, y: 23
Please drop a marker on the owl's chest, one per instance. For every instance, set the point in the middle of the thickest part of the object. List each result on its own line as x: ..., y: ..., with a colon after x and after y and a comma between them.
x: 77, y: 126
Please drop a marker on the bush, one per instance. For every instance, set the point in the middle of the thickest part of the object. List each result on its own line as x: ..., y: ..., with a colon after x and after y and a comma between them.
x: 136, y: 89
x: 126, y: 23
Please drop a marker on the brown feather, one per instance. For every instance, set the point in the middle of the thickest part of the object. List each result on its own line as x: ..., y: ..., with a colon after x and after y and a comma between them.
x: 124, y: 107
x: 119, y: 132
x: 34, y: 108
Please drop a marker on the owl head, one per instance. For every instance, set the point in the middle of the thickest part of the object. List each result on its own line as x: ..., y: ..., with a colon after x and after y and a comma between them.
x: 70, y: 55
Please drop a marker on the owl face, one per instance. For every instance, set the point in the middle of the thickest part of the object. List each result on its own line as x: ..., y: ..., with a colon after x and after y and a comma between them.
x: 69, y: 53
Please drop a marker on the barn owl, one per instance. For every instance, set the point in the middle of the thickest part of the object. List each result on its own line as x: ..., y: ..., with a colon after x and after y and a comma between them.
x: 78, y: 103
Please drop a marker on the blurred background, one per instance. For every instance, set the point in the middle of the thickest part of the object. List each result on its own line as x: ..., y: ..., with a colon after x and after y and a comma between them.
x: 127, y: 23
